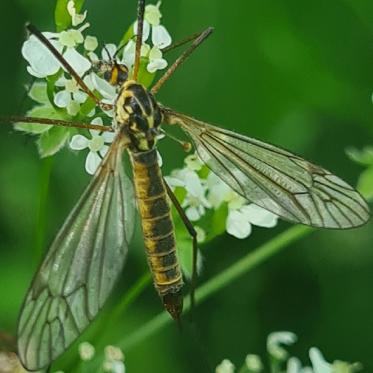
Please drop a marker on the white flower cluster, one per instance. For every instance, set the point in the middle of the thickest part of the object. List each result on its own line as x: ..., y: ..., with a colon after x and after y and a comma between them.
x: 210, y: 193
x: 80, y: 51
x: 113, y: 361
x: 160, y: 39
x: 278, y: 355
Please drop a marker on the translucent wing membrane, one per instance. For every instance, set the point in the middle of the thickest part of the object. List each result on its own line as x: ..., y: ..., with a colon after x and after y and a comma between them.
x: 275, y: 179
x: 80, y: 268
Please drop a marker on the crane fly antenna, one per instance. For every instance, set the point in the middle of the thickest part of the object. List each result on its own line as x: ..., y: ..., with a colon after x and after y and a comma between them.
x: 118, y: 50
x: 34, y: 31
x: 140, y: 30
x: 111, y: 58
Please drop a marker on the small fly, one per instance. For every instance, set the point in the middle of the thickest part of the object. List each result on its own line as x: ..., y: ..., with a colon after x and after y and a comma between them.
x: 87, y: 255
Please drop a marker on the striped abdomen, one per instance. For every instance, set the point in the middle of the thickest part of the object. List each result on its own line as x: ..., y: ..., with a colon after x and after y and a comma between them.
x: 158, y: 229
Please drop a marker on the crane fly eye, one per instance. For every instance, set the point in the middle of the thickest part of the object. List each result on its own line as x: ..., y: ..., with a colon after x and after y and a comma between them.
x: 107, y: 75
x: 122, y: 74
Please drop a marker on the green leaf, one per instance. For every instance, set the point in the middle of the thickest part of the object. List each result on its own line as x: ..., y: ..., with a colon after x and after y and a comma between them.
x: 145, y: 77
x: 44, y: 111
x: 365, y: 183
x: 213, y: 222
x: 129, y: 34
x: 203, y: 172
x: 52, y: 141
x: 185, y: 254
x: 51, y: 85
x: 363, y: 157
x: 62, y: 17
x: 86, y: 108
x: 38, y: 92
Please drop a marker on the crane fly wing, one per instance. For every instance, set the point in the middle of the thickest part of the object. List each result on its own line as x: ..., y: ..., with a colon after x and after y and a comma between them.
x: 81, y: 266
x: 275, y: 179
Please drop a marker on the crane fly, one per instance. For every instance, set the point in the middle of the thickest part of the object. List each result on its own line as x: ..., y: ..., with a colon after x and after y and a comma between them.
x: 83, y: 262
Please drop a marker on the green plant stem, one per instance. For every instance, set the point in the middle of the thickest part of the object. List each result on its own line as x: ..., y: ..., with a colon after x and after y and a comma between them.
x: 41, y: 214
x: 244, y: 265
x: 132, y: 294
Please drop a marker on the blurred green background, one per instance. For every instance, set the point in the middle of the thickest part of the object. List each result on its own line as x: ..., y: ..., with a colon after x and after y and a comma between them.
x: 297, y: 74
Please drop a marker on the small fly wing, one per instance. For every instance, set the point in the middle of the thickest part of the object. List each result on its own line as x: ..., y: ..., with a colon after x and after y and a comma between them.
x: 275, y: 179
x: 81, y: 266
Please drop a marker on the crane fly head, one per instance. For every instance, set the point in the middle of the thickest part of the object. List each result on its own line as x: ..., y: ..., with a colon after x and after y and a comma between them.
x: 113, y: 72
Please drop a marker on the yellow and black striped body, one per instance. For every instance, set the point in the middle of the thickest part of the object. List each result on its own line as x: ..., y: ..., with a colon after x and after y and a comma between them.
x: 137, y: 109
x: 139, y: 117
x: 158, y: 228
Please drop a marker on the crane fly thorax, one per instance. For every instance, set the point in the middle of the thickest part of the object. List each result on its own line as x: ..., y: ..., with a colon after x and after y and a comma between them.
x: 139, y: 116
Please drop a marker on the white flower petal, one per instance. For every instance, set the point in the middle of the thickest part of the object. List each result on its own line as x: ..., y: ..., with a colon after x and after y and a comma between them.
x: 93, y: 57
x: 259, y: 216
x: 80, y: 96
x: 73, y: 108
x: 174, y: 182
x: 293, y: 365
x: 88, y: 80
x: 77, y: 19
x: 145, y: 49
x: 92, y: 162
x: 145, y: 31
x: 41, y: 60
x: 193, y: 184
x: 218, y: 190
x: 193, y: 213
x: 193, y: 162
x: 201, y: 234
x: 319, y: 364
x: 78, y: 142
x: 94, y: 133
x: 108, y: 137
x: 161, y: 37
x: 254, y: 363
x: 104, y: 149
x: 97, y: 121
x: 67, y: 39
x: 129, y: 53
x: 159, y: 159
x: 155, y: 65
x: 153, y: 14
x: 155, y: 54
x: 71, y: 7
x: 61, y: 81
x: 32, y: 72
x: 86, y: 351
x: 275, y: 341
x: 106, y: 90
x: 90, y: 43
x: 62, y: 99
x: 225, y: 366
x: 237, y: 226
x: 78, y: 62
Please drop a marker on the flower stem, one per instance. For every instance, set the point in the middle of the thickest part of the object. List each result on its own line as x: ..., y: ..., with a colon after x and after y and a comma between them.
x: 244, y: 265
x: 132, y: 294
x: 41, y: 214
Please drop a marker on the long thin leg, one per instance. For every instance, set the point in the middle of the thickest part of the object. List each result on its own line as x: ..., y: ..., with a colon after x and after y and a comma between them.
x: 193, y: 234
x: 55, y: 122
x: 181, y: 42
x: 197, y: 42
x: 140, y: 29
x: 33, y: 30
